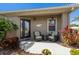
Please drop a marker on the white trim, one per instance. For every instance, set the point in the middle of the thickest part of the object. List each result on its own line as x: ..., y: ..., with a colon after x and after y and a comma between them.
x: 48, y: 25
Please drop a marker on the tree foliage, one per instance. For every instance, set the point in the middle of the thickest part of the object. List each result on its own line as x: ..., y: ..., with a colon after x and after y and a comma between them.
x: 5, y: 26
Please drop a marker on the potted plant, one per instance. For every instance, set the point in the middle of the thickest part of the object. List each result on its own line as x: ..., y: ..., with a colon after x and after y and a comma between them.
x: 46, y: 52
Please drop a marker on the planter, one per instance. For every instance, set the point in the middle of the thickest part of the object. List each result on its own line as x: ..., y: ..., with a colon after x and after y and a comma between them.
x: 46, y: 52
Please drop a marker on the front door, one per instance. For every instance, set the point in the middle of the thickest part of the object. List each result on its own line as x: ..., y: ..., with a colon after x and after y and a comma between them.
x: 25, y: 28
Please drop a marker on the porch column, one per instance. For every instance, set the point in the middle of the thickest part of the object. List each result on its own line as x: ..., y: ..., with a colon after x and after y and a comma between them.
x: 65, y: 20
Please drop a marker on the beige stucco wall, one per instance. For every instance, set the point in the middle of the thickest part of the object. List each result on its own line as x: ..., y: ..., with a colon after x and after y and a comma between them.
x: 42, y: 21
x: 15, y: 20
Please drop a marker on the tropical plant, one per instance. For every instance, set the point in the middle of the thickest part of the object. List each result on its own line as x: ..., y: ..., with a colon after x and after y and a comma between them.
x: 15, y: 27
x: 74, y: 51
x: 69, y: 36
x: 1, y: 35
x: 46, y: 52
x: 6, y: 26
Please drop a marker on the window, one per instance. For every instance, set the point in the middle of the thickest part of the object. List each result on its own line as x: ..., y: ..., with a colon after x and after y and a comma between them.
x: 51, y: 24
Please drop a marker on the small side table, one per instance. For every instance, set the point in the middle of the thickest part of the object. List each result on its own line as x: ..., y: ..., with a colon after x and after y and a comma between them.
x: 45, y: 37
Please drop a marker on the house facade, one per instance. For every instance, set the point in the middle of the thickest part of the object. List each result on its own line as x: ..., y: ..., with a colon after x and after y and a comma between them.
x: 45, y: 20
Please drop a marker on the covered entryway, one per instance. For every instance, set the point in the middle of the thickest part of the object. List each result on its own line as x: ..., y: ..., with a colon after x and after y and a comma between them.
x: 42, y: 23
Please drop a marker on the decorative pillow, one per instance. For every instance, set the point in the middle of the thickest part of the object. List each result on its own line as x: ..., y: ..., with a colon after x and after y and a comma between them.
x: 37, y: 33
x: 38, y: 37
x: 51, y: 37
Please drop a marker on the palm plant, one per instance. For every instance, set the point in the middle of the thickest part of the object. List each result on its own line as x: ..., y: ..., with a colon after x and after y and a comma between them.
x: 5, y: 26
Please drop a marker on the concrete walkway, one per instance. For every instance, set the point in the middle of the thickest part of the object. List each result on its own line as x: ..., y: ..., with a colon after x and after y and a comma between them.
x: 37, y: 47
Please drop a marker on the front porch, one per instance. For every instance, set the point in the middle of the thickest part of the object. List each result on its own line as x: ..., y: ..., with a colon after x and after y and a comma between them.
x: 45, y: 24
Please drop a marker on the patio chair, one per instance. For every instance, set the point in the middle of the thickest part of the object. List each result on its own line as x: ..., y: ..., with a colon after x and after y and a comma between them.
x: 38, y: 36
x: 53, y: 36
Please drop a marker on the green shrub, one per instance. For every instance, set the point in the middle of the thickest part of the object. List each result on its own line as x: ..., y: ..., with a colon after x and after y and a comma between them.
x: 1, y: 35
x: 46, y: 52
x: 74, y: 52
x: 6, y: 26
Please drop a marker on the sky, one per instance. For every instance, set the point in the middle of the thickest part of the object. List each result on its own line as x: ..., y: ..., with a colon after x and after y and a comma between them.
x: 25, y: 6
x: 22, y: 6
x: 73, y: 15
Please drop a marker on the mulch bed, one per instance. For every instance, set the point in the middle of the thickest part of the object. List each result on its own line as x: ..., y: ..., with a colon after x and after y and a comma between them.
x: 15, y: 52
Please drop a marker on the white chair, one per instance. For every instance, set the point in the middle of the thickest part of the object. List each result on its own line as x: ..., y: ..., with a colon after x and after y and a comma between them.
x: 38, y: 36
x: 52, y: 36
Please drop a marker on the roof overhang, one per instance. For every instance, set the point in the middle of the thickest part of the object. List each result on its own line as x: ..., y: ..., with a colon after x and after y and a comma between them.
x: 42, y: 11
